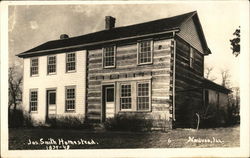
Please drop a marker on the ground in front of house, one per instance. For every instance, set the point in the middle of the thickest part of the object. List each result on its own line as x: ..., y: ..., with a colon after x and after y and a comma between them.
x: 81, y: 139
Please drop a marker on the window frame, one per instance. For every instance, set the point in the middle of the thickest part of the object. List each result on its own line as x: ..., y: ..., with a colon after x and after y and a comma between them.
x: 66, y: 62
x: 103, y: 56
x: 151, y: 51
x: 191, y: 57
x: 120, y: 97
x: 134, y: 95
x: 149, y: 95
x: 31, y: 59
x: 66, y: 107
x: 30, y: 109
x: 51, y: 73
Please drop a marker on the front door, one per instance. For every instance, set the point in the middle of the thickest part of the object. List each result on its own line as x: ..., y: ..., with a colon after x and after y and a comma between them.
x: 51, y: 103
x: 108, y: 102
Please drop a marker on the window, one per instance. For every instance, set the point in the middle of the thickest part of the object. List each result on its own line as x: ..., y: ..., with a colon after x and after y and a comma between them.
x: 70, y: 62
x: 34, y: 67
x: 135, y: 95
x: 125, y: 99
x: 109, y: 57
x: 143, y: 96
x: 52, y: 97
x: 33, y: 100
x: 191, y: 62
x: 70, y: 98
x: 145, y: 52
x: 51, y: 67
x: 110, y: 94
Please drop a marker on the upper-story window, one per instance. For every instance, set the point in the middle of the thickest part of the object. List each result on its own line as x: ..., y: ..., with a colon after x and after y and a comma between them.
x: 70, y: 62
x: 51, y: 67
x: 109, y: 57
x: 34, y: 66
x: 191, y: 58
x: 145, y: 52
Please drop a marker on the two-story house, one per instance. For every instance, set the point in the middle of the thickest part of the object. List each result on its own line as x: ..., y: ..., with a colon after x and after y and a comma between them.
x: 151, y: 70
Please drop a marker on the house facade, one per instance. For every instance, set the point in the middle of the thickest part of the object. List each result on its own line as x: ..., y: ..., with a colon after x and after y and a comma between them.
x: 53, y: 85
x: 152, y: 70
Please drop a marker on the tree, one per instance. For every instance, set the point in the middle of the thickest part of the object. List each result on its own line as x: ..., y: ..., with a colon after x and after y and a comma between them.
x: 235, y: 42
x: 208, y: 71
x: 15, y: 87
x: 225, y: 76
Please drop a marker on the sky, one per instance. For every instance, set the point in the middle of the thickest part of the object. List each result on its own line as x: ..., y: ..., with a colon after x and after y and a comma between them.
x: 32, y: 25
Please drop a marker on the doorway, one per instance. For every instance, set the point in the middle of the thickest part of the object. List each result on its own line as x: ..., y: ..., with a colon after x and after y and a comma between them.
x: 108, y: 102
x: 51, y: 103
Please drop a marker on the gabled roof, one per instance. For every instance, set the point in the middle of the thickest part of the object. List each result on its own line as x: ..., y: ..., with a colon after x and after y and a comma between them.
x: 118, y: 33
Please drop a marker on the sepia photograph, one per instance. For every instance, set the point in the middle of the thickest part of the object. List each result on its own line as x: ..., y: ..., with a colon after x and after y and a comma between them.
x: 124, y: 75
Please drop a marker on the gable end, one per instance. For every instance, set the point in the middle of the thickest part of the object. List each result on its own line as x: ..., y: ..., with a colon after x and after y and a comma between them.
x: 189, y: 33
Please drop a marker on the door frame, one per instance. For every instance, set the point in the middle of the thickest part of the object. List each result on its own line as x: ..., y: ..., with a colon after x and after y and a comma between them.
x: 103, y: 99
x: 47, y: 101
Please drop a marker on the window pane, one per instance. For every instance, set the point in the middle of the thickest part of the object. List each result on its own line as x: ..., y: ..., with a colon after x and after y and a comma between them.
x: 110, y: 95
x: 34, y: 62
x: 52, y: 98
x: 70, y: 98
x: 125, y: 100
x: 33, y: 100
x: 51, y: 64
x: 109, y: 56
x: 191, y: 58
x: 34, y: 66
x: 125, y: 103
x: 145, y: 52
x: 143, y: 96
x: 70, y: 62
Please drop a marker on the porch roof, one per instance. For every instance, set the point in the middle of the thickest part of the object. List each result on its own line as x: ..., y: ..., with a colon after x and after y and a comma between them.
x: 214, y: 86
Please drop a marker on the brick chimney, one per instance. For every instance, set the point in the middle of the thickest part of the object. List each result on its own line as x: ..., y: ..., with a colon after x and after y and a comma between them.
x: 64, y: 36
x: 109, y: 22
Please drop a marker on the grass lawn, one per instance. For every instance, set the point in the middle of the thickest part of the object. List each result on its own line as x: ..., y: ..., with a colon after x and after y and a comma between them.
x: 81, y: 139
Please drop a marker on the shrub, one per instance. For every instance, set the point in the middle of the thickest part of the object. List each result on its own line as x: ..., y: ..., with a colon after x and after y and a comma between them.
x: 232, y: 117
x: 16, y: 118
x: 128, y: 123
x: 19, y: 118
x: 28, y: 121
x: 66, y: 122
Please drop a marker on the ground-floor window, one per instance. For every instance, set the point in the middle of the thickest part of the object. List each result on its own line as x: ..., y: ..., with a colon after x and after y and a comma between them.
x: 143, y: 96
x: 33, y: 100
x: 70, y: 98
x: 135, y: 96
x: 125, y: 100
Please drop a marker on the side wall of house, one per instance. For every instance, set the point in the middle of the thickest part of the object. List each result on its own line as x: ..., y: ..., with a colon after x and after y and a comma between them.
x: 127, y: 70
x: 189, y: 94
x: 59, y: 80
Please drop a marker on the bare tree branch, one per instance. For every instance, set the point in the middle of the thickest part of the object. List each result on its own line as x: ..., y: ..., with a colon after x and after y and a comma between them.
x: 225, y: 76
x: 15, y: 87
x: 208, y: 71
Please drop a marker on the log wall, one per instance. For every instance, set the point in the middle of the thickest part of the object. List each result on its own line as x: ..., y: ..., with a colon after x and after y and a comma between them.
x: 189, y: 94
x: 127, y: 69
